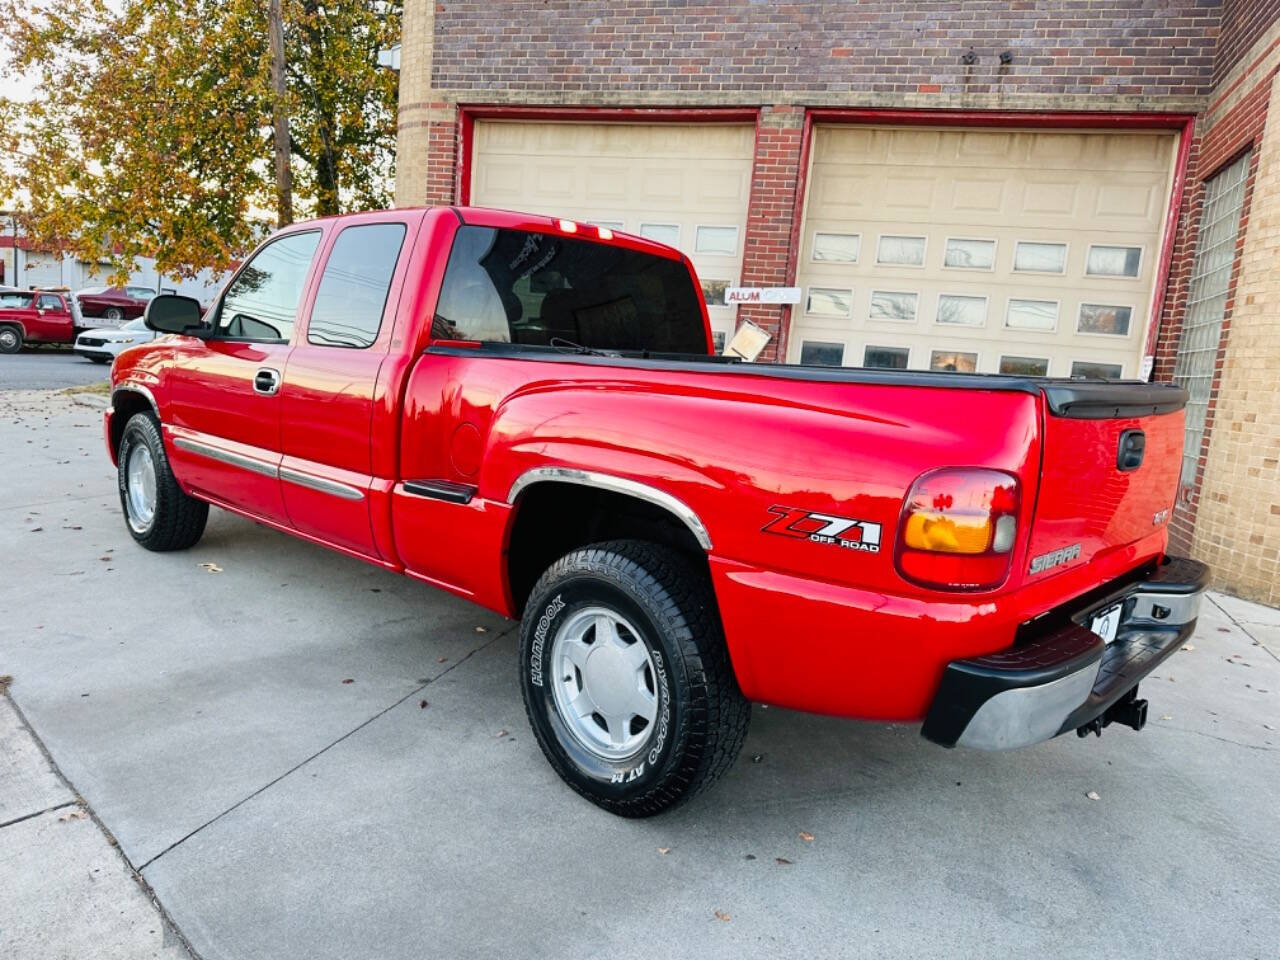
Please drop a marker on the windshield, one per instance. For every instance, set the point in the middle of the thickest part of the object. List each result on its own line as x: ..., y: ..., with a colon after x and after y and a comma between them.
x: 140, y: 293
x: 515, y: 286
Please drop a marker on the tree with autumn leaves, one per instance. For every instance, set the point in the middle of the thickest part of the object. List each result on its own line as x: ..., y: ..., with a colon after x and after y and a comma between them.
x: 149, y: 133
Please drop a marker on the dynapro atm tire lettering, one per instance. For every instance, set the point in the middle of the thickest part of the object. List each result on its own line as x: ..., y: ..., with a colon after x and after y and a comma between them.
x: 801, y: 524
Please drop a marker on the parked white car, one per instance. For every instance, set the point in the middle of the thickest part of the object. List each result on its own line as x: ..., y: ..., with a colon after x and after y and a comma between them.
x: 103, y: 344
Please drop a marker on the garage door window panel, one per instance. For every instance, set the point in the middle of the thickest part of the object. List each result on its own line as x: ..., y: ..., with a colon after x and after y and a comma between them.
x: 668, y: 233
x: 963, y: 253
x: 820, y: 353
x: 837, y: 247
x: 956, y: 309
x: 897, y: 250
x: 1092, y: 370
x: 1098, y: 319
x: 1040, y: 316
x: 887, y: 358
x: 1033, y: 256
x: 1025, y: 366
x: 713, y: 291
x: 953, y: 361
x: 829, y: 302
x: 895, y: 306
x: 716, y: 241
x: 1117, y: 262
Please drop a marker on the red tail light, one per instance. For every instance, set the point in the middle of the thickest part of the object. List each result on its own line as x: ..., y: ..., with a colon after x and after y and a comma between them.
x: 958, y: 529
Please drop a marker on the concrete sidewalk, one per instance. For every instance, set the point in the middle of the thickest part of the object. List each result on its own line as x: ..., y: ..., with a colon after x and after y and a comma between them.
x: 66, y: 891
x: 280, y: 811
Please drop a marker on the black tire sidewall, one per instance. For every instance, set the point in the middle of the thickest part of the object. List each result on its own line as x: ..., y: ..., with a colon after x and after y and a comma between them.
x: 660, y: 755
x: 17, y: 341
x: 136, y: 432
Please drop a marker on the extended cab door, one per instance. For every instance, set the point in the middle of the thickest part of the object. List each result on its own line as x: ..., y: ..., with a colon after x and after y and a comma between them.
x: 52, y: 320
x: 223, y: 408
x: 330, y: 382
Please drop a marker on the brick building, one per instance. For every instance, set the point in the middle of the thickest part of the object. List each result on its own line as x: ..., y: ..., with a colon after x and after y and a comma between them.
x: 1070, y: 187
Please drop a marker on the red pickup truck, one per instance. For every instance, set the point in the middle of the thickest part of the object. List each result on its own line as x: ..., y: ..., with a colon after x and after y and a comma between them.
x: 35, y: 316
x: 527, y: 412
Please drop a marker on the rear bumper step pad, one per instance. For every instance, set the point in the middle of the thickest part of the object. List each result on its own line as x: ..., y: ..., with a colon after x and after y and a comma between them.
x: 1069, y: 678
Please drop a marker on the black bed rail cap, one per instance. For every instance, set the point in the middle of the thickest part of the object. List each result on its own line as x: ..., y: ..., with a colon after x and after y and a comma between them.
x: 1112, y: 399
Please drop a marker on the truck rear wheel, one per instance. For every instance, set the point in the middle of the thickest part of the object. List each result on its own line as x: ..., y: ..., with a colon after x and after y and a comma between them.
x: 626, y: 677
x: 156, y: 511
x: 10, y: 339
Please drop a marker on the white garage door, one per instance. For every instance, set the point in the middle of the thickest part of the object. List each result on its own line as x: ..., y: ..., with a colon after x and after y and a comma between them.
x: 682, y: 184
x: 42, y: 270
x: 1030, y: 252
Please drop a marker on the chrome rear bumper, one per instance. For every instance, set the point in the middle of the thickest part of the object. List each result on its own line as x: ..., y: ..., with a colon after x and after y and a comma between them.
x: 1068, y: 679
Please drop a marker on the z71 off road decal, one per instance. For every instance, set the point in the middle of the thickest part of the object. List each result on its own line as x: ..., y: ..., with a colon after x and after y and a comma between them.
x: 801, y: 524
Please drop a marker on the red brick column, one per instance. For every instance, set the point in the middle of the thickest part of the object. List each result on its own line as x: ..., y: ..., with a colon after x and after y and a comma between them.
x: 772, y: 211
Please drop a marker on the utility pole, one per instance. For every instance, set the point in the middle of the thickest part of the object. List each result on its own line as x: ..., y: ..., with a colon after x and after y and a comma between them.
x: 280, y: 115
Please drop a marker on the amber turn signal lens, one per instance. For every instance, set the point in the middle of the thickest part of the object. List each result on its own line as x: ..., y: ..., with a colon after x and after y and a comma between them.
x: 947, y: 534
x: 959, y: 527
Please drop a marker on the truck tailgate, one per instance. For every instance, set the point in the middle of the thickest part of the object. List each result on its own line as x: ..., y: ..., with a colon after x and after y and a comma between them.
x: 1095, y: 497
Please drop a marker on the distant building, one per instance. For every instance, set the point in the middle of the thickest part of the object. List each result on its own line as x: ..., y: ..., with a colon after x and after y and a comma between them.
x: 27, y: 266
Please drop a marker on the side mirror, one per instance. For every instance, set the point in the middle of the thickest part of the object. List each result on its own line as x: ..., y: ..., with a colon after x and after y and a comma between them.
x: 169, y: 313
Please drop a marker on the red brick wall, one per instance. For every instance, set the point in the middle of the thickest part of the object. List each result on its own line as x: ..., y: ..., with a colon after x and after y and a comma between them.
x: 561, y: 47
x: 771, y: 211
x: 1233, y: 132
x: 1243, y: 22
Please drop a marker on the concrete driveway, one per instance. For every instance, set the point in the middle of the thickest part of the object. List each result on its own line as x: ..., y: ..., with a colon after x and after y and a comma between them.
x: 308, y: 757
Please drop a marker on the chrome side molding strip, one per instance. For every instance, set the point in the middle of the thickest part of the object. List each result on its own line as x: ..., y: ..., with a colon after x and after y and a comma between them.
x: 324, y: 485
x: 605, y: 481
x: 252, y: 464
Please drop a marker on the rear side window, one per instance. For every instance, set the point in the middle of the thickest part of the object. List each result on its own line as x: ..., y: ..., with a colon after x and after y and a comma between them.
x: 513, y: 286
x: 262, y: 301
x: 354, y: 286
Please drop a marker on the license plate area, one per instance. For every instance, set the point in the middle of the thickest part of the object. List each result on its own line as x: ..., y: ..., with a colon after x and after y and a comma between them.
x: 1106, y: 622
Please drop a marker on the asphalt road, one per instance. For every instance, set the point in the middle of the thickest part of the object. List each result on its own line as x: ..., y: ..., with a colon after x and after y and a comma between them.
x: 42, y: 368
x: 309, y: 757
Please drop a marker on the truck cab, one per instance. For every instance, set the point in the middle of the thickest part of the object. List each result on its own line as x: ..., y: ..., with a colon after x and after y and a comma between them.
x: 35, y: 316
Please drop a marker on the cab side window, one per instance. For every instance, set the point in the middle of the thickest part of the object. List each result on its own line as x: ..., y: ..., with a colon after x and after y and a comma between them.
x: 354, y: 287
x: 262, y: 301
x: 49, y: 302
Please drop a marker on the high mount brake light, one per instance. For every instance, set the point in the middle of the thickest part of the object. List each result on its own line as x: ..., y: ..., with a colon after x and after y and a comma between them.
x: 958, y: 528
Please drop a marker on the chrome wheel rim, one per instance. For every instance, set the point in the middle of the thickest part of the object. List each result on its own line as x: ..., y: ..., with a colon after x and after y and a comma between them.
x: 115, y: 314
x: 140, y: 488
x: 604, y: 683
x: 8, y: 339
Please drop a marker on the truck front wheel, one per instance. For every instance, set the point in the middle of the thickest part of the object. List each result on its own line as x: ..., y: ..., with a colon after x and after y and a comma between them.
x: 156, y: 511
x: 626, y: 677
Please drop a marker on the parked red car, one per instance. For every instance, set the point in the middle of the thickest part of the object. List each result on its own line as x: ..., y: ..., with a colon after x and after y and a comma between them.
x: 527, y: 412
x: 114, y: 303
x: 34, y: 316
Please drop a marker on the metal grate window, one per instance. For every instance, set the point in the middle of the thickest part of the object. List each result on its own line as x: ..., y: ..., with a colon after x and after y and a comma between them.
x: 1207, y: 301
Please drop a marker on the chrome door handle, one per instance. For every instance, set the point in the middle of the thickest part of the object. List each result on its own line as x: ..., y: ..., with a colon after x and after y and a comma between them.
x: 266, y: 381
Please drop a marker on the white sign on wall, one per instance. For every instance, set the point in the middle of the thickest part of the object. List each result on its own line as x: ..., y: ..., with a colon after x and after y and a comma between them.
x: 734, y: 295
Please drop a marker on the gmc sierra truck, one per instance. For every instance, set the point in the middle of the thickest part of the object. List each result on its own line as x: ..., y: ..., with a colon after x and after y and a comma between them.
x: 527, y: 412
